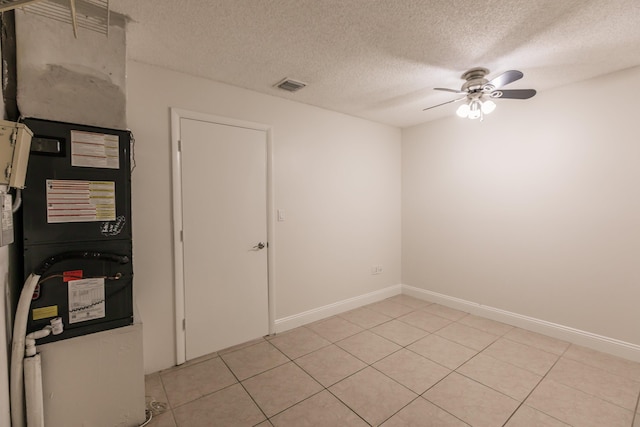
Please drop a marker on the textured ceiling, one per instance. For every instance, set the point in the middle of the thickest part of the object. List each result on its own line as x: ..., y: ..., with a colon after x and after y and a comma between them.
x: 381, y: 59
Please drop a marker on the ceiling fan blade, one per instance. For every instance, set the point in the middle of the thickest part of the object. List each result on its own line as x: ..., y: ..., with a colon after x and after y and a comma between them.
x: 506, y: 78
x: 449, y: 90
x: 445, y: 103
x: 513, y: 94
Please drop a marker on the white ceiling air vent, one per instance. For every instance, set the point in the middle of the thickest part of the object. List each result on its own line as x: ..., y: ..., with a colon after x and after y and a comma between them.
x: 89, y: 14
x: 290, y: 85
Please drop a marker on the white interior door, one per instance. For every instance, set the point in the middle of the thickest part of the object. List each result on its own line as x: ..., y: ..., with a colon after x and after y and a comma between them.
x: 224, y: 223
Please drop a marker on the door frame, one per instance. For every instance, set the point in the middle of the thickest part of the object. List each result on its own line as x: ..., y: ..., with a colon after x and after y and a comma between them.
x: 178, y: 248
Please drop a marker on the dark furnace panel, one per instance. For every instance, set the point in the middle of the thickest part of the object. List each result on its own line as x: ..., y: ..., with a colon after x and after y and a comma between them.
x: 77, y: 203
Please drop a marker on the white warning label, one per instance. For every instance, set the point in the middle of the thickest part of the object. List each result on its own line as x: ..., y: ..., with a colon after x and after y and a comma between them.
x: 86, y: 300
x: 80, y: 201
x: 94, y: 150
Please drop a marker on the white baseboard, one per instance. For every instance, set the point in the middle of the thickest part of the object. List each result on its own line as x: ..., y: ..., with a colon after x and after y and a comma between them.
x: 329, y: 310
x: 587, y: 339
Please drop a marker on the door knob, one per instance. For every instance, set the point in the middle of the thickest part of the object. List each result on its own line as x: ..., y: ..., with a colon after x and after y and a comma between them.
x: 259, y: 246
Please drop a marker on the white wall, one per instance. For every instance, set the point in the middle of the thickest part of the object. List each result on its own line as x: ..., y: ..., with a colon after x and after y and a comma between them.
x: 337, y: 177
x: 4, y: 336
x: 536, y: 210
x: 4, y: 339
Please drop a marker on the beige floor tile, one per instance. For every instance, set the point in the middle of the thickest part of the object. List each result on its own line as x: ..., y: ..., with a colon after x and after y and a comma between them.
x: 501, y: 376
x: 539, y: 341
x: 368, y: 346
x: 467, y: 336
x: 472, y: 402
x: 423, y: 320
x: 252, y: 360
x: 621, y: 391
x: 610, y: 363
x: 298, y: 342
x: 162, y: 420
x: 442, y: 351
x: 577, y: 408
x: 521, y: 355
x: 399, y: 332
x: 415, y: 372
x: 421, y: 413
x: 335, y: 328
x: 444, y: 311
x: 330, y: 365
x: 229, y: 407
x: 412, y: 302
x: 390, y: 308
x: 155, y: 396
x: 280, y: 388
x: 194, y: 361
x: 486, y: 325
x: 583, y: 388
x: 526, y: 416
x: 322, y: 409
x: 187, y: 384
x: 364, y: 317
x: 242, y: 345
x: 372, y: 395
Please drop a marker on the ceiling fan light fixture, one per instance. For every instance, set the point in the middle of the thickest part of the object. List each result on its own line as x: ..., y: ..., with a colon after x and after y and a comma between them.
x: 475, y: 108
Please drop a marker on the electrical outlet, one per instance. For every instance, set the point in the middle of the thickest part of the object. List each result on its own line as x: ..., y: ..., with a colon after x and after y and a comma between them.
x: 376, y: 269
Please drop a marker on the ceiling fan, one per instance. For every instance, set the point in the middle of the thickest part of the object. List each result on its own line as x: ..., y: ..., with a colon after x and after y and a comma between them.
x: 479, y: 92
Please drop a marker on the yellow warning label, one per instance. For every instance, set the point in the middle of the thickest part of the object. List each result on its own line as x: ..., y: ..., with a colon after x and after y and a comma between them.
x: 45, y: 312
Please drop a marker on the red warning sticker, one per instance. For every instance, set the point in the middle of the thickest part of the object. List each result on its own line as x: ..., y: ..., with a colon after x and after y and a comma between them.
x: 67, y: 276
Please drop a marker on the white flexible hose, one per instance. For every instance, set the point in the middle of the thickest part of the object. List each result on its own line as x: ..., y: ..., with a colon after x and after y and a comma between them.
x: 33, y: 391
x: 17, y: 351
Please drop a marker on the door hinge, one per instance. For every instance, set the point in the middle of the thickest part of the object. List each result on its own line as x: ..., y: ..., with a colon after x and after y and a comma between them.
x: 179, y: 145
x: 184, y: 324
x: 181, y: 235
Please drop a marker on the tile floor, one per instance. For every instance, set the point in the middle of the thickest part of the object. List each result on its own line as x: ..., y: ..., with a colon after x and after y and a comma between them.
x: 401, y: 362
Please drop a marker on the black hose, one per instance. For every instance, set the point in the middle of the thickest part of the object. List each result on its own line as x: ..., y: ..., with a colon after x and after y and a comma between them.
x: 49, y: 262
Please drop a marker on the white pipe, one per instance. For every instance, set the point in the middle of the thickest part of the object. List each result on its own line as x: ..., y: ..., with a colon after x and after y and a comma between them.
x: 33, y: 391
x: 17, y: 202
x: 17, y: 351
x: 30, y: 340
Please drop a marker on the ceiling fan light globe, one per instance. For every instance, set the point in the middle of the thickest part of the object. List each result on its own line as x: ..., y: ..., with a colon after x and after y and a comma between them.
x: 463, y: 111
x: 488, y: 107
x: 474, y: 114
x: 475, y: 109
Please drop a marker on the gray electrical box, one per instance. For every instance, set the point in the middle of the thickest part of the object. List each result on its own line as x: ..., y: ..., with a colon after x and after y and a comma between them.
x: 15, y: 143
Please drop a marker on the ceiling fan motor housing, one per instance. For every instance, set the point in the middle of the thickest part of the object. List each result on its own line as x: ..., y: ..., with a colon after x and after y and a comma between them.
x: 475, y: 80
